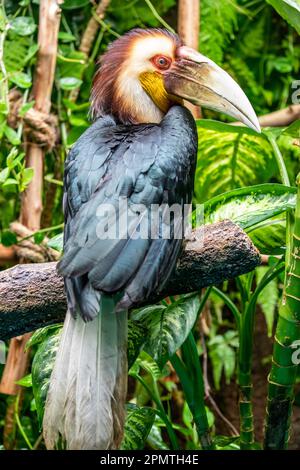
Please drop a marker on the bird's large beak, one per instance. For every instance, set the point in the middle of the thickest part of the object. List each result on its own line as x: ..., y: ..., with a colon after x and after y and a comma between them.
x: 199, y: 80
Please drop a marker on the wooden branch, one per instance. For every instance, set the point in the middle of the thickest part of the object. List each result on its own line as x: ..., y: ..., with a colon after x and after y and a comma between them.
x: 281, y: 118
x: 49, y: 20
x: 31, y: 208
x: 188, y: 29
x: 32, y: 295
x: 89, y: 35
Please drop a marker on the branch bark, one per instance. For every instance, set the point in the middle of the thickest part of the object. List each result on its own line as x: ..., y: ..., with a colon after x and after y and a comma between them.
x: 91, y: 30
x: 31, y: 208
x: 32, y: 295
x: 188, y: 29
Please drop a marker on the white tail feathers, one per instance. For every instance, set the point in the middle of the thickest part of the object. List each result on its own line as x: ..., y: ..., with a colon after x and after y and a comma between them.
x: 86, y: 398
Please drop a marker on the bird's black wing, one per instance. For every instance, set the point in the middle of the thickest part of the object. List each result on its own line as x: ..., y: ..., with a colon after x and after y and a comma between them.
x: 116, y: 173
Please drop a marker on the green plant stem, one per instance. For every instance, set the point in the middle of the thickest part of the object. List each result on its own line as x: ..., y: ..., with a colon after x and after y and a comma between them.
x: 285, y: 350
x: 42, y: 230
x: 191, y: 379
x: 234, y: 310
x: 160, y: 411
x: 286, y: 181
x: 245, y: 359
x: 158, y: 17
x: 19, y: 424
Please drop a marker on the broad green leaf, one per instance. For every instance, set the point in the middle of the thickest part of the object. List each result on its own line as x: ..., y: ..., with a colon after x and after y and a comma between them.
x: 168, y: 326
x: 222, y: 127
x: 145, y: 362
x: 293, y: 130
x: 12, y: 135
x: 230, y: 157
x: 222, y: 353
x: 137, y: 335
x: 251, y: 205
x: 155, y: 439
x: 57, y: 242
x: 23, y: 25
x: 41, y: 334
x: 42, y: 366
x: 289, y: 10
x: 25, y: 381
x: 69, y: 83
x: 268, y: 298
x: 138, y: 424
x: 21, y: 79
x: 269, y: 236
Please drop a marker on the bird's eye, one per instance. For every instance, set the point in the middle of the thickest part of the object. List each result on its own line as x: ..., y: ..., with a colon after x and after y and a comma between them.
x: 161, y: 62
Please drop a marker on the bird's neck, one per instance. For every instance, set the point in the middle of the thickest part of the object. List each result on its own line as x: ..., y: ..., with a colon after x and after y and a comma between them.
x: 141, y: 100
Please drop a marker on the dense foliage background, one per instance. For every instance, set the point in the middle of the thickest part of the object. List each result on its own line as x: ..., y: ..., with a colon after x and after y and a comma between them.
x: 262, y: 51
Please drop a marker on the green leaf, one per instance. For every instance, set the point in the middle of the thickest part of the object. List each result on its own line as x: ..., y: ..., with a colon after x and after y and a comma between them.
x: 226, y: 442
x: 25, y: 381
x: 27, y: 175
x: 138, y: 424
x: 168, y: 326
x: 69, y: 83
x: 8, y: 238
x: 26, y: 107
x: 11, y: 157
x: 136, y: 340
x: 38, y: 237
x: 289, y: 10
x: 155, y: 438
x: 4, y: 175
x: 222, y: 127
x: 251, y: 205
x: 3, y: 108
x: 268, y: 298
x: 269, y: 236
x: 41, y: 334
x: 230, y: 157
x: 293, y: 130
x: 66, y: 37
x: 222, y: 353
x: 42, y: 366
x: 57, y: 242
x: 77, y: 121
x: 23, y: 25
x: 21, y: 79
x: 10, y: 181
x: 12, y: 136
x: 15, y: 52
x: 146, y: 362
x: 31, y: 53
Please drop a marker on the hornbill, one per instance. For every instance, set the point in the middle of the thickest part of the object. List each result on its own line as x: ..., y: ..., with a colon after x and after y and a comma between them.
x: 141, y: 148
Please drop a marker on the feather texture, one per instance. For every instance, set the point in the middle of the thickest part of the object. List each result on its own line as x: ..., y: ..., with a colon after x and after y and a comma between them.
x: 87, y: 385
